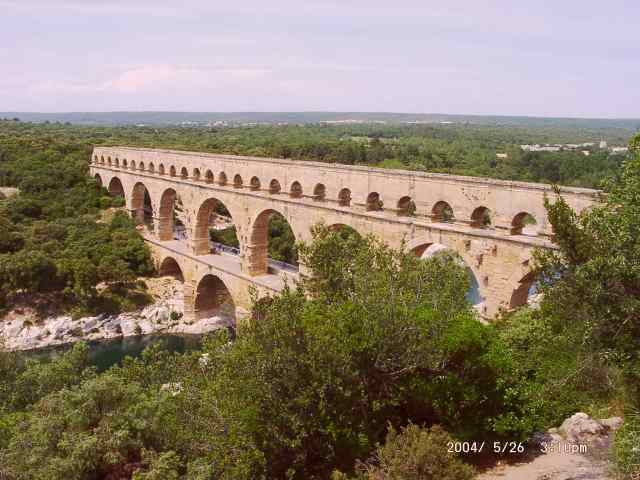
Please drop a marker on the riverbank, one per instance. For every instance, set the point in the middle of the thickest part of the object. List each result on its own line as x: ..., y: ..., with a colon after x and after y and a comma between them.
x: 21, y: 329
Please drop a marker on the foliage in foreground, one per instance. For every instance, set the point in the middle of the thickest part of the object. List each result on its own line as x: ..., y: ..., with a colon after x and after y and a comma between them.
x: 309, y: 386
x: 416, y: 454
x: 580, y: 350
x: 593, y: 283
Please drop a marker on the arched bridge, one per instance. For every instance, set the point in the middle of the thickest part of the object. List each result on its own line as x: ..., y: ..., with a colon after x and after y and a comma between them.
x: 494, y: 225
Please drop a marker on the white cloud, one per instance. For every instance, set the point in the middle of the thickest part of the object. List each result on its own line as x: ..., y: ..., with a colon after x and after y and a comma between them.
x: 150, y: 79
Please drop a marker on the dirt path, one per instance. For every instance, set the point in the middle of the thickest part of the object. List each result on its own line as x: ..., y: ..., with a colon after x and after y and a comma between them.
x: 560, y: 464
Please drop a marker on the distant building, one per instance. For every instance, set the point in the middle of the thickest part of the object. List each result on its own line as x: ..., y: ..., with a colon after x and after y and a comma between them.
x: 541, y: 148
x: 619, y: 149
x: 502, y: 156
x: 556, y: 147
x: 586, y: 153
x: 603, y: 144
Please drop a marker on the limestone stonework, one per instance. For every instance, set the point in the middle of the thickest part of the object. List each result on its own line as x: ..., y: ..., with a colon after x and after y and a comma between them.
x: 402, y: 207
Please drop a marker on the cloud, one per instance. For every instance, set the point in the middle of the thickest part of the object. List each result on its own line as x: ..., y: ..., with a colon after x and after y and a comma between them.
x: 147, y: 77
x: 150, y: 79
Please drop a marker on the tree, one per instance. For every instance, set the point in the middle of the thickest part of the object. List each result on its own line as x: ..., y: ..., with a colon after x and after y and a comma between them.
x: 310, y: 385
x: 592, y: 283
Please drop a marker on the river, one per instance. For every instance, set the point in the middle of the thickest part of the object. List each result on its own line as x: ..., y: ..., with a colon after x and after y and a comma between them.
x: 105, y: 353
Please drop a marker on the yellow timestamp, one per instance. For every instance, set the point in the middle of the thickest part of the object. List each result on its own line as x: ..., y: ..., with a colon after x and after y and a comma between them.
x: 501, y: 448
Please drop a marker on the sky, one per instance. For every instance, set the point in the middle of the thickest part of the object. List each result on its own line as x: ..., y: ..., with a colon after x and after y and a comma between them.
x: 568, y: 58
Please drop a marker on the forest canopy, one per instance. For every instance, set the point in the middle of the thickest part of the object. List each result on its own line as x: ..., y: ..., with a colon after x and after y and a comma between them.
x: 457, y: 149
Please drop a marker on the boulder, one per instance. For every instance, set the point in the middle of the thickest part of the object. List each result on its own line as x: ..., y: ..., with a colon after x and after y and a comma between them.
x: 581, y: 428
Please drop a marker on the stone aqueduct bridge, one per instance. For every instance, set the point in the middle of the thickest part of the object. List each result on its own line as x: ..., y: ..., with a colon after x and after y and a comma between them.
x: 402, y: 207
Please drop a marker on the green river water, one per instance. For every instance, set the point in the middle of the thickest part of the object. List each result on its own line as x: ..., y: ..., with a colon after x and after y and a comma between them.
x: 106, y: 353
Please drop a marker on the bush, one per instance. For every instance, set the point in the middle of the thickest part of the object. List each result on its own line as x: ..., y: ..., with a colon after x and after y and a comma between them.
x: 416, y: 454
x: 550, y: 379
x: 627, y: 448
x: 89, y: 431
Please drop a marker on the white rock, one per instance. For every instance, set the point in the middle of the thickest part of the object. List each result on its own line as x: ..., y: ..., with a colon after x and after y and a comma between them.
x: 153, y: 318
x: 581, y: 428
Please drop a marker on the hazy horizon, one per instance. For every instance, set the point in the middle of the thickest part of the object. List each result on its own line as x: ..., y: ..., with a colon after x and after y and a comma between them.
x: 326, y: 115
x: 320, y: 112
x: 569, y: 60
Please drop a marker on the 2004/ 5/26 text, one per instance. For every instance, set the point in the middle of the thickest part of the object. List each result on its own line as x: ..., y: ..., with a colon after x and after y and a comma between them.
x: 501, y: 448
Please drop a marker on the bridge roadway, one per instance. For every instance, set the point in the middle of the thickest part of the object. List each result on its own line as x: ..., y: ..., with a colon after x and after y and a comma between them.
x: 226, y: 267
x: 411, y: 210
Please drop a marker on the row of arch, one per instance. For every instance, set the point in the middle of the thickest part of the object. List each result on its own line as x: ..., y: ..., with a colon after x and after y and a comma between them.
x: 258, y: 234
x: 142, y: 209
x: 213, y: 297
x: 523, y: 223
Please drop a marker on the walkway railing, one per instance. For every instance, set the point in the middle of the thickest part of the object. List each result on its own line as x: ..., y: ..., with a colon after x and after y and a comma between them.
x: 219, y: 247
x: 275, y: 264
x: 225, y: 248
x: 278, y: 265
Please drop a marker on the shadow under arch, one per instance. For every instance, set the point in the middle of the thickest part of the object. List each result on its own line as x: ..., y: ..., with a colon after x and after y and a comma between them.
x: 169, y: 267
x: 214, y: 222
x: 98, y: 179
x: 167, y: 215
x: 524, y: 291
x: 116, y: 189
x: 524, y: 223
x: 213, y: 298
x: 344, y: 197
x: 141, y: 206
x: 272, y: 236
x: 481, y: 217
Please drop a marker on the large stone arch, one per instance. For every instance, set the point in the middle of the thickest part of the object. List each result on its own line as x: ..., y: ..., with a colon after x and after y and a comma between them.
x: 256, y: 249
x: 165, y: 214
x: 202, y: 224
x: 212, y: 297
x: 142, y: 207
x: 170, y: 267
x: 425, y: 246
x: 116, y: 188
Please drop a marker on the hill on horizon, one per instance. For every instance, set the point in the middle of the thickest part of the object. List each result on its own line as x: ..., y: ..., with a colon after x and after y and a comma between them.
x: 239, y: 118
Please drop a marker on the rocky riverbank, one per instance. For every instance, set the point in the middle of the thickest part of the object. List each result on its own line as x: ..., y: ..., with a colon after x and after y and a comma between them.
x: 21, y: 329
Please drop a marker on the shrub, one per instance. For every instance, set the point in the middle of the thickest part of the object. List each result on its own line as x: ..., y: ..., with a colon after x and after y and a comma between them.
x: 416, y: 453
